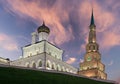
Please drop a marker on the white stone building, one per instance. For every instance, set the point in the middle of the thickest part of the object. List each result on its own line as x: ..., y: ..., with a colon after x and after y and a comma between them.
x: 4, y: 61
x: 42, y: 54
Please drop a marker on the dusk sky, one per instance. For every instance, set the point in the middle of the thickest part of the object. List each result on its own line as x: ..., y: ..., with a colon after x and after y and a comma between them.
x: 69, y: 22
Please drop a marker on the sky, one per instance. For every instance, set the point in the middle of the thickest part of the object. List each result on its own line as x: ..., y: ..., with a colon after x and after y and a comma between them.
x: 69, y: 22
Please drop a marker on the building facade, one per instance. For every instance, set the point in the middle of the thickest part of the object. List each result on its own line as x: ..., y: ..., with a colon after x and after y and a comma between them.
x: 42, y: 54
x: 92, y: 65
x: 4, y: 61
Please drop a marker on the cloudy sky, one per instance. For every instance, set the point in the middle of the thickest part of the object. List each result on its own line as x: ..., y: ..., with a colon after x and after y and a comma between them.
x: 68, y: 21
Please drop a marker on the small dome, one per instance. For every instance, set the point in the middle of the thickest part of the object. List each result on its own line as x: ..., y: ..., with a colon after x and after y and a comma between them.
x: 43, y: 28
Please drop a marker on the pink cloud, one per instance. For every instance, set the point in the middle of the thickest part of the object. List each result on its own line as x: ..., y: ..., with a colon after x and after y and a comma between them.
x: 52, y: 17
x: 103, y: 20
x: 82, y: 48
x: 110, y: 39
x: 71, y: 60
x: 118, y: 80
x: 7, y: 42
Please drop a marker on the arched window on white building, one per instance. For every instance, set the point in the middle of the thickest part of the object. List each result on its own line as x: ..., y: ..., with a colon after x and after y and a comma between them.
x: 34, y: 65
x: 53, y: 66
x: 27, y: 65
x: 40, y: 64
x: 48, y: 64
x: 58, y: 68
x: 63, y: 69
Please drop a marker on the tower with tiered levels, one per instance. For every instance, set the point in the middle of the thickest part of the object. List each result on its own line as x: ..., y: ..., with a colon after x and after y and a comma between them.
x: 92, y: 65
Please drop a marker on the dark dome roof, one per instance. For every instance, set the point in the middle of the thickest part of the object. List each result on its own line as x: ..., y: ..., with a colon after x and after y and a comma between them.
x: 43, y: 28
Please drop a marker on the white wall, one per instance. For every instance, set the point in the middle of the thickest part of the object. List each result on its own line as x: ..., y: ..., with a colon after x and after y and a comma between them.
x: 43, y: 36
x: 54, y: 51
x: 4, y: 61
x: 39, y: 48
x: 33, y: 49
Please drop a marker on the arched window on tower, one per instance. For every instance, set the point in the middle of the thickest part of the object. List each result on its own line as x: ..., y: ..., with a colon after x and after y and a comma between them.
x: 94, y: 48
x: 89, y: 48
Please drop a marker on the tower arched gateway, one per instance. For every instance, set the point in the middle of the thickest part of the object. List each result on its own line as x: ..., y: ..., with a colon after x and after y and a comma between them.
x: 92, y: 65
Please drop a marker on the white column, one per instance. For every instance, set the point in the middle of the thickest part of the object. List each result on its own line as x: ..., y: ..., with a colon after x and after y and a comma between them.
x: 34, y: 34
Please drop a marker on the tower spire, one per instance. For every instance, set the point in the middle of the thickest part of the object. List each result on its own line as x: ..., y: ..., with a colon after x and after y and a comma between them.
x: 92, y: 33
x: 92, y: 19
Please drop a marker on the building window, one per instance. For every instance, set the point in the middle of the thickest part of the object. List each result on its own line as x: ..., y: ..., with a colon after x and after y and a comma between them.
x: 40, y: 64
x: 89, y: 47
x: 48, y: 65
x: 34, y: 65
x: 57, y: 68
x: 62, y: 69
x: 27, y: 65
x: 53, y: 67
x: 94, y: 47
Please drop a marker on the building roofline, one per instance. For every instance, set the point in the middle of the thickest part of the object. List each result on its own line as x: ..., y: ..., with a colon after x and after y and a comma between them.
x: 42, y: 41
